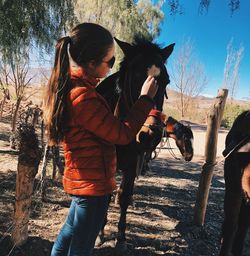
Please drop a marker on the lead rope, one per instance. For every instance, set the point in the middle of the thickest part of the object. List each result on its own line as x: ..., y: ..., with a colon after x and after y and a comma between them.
x: 162, y: 144
x: 171, y: 150
x: 237, y: 145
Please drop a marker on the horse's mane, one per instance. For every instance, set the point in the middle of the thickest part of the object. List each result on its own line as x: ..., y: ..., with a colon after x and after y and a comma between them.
x: 140, y: 45
x: 244, y: 117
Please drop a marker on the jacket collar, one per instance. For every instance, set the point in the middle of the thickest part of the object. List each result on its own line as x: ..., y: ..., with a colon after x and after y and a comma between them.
x: 78, y: 73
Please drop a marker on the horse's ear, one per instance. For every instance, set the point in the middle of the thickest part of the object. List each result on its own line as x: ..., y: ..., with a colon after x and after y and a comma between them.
x: 166, y: 52
x: 126, y: 47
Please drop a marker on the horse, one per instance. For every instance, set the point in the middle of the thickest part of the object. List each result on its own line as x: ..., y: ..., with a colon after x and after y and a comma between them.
x: 182, y: 135
x: 237, y: 186
x: 121, y: 90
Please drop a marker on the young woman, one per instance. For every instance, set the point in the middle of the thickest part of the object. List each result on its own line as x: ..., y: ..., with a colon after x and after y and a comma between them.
x: 80, y: 118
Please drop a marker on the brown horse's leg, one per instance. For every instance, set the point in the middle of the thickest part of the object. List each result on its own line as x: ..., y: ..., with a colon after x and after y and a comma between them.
x: 100, y: 238
x: 146, y: 168
x: 127, y: 188
x: 232, y: 205
x: 244, y: 217
x: 243, y: 224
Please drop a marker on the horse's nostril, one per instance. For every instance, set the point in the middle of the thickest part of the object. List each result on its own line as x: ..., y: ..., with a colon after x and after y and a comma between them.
x: 188, y: 157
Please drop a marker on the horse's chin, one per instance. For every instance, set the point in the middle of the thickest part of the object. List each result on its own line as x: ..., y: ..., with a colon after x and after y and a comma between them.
x: 188, y: 157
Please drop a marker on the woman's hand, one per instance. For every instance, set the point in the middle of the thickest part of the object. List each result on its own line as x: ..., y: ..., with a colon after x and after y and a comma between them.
x: 149, y: 87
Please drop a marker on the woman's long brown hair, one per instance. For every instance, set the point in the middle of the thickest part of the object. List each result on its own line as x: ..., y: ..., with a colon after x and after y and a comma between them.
x: 56, y: 92
x: 87, y: 42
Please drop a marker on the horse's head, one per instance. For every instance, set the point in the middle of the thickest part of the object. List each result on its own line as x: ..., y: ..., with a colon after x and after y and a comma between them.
x: 183, y: 137
x: 141, y: 59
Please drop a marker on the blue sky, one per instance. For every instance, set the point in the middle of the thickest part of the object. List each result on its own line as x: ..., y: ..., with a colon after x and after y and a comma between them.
x: 210, y: 33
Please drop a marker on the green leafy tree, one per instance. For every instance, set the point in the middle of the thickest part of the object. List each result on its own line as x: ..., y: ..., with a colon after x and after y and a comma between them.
x: 124, y: 18
x: 37, y: 24
x: 32, y: 24
x: 27, y: 25
x: 231, y: 111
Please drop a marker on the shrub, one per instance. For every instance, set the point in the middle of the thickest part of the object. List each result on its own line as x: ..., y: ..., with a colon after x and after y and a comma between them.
x: 231, y: 111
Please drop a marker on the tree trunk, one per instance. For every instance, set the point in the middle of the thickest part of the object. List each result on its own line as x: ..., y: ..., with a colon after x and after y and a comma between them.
x: 28, y: 161
x: 2, y: 106
x: 14, y: 118
x: 213, y: 124
x: 182, y: 105
x: 12, y: 109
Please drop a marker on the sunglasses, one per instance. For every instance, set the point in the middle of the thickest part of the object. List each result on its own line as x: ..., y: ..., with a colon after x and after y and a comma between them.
x: 110, y: 62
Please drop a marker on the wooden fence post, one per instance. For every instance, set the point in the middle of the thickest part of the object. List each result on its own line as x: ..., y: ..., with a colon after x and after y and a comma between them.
x: 43, y: 174
x: 213, y: 124
x: 28, y: 161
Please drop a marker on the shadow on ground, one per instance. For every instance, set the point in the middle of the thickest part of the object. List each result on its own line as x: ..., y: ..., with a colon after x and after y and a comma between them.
x: 159, y: 223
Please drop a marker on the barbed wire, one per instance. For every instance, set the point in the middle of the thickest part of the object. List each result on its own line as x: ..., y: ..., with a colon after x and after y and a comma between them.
x: 5, y: 234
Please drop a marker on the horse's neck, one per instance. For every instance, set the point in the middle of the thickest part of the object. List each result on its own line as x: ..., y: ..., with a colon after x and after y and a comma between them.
x: 239, y: 129
x: 108, y: 84
x: 170, y: 127
x: 108, y: 88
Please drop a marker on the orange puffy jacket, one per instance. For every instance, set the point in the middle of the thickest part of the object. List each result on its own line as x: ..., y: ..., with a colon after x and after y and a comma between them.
x: 92, y: 130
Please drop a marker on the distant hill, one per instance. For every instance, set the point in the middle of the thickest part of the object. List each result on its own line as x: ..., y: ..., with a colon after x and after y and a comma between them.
x: 198, y: 108
x: 204, y: 101
x: 197, y: 112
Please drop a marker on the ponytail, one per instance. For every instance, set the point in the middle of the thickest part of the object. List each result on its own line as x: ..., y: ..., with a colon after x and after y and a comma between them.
x: 88, y: 42
x: 56, y: 95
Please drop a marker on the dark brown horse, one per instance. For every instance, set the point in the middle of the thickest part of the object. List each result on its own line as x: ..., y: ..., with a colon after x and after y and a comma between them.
x: 182, y: 135
x: 121, y: 90
x: 237, y: 187
x: 147, y: 139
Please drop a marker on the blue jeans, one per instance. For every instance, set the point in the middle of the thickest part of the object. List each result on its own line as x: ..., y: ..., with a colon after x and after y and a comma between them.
x: 78, y: 234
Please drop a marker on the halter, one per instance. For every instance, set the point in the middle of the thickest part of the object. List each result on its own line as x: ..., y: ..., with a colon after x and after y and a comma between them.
x: 178, y: 131
x: 168, y: 142
x: 227, y: 153
x: 162, y: 143
x: 154, y: 126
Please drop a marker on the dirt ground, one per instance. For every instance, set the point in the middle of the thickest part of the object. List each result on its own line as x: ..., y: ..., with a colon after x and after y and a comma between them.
x: 159, y: 223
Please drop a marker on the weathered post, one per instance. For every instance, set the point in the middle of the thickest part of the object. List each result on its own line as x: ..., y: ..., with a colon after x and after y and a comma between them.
x: 213, y: 124
x: 43, y: 174
x: 28, y: 162
x: 42, y: 134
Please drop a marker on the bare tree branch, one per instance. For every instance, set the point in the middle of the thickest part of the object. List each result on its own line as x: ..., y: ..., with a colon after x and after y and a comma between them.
x: 188, y: 76
x: 231, y: 68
